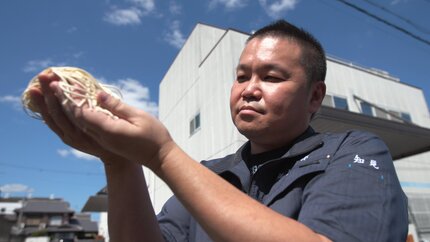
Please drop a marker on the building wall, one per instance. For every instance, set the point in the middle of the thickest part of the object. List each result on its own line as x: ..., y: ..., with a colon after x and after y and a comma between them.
x: 7, y: 208
x: 103, y: 226
x: 205, y: 67
x: 347, y: 80
x: 206, y: 74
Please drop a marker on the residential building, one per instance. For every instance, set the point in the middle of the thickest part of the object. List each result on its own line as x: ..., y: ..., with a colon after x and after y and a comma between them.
x: 50, y: 219
x: 99, y: 204
x: 8, y: 216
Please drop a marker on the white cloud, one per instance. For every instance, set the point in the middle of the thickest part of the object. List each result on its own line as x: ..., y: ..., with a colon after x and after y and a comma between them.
x: 128, y: 16
x: 10, y: 99
x: 40, y: 65
x: 175, y: 8
x: 175, y: 37
x: 228, y: 4
x: 78, y: 55
x: 63, y: 152
x: 15, y: 101
x: 146, y: 6
x: 275, y: 9
x: 137, y: 95
x: 14, y: 187
x: 37, y: 65
x: 76, y: 153
x: 131, y: 15
x: 72, y: 29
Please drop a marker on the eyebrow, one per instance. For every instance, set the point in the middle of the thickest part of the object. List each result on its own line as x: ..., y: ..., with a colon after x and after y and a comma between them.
x: 242, y: 67
x: 265, y: 67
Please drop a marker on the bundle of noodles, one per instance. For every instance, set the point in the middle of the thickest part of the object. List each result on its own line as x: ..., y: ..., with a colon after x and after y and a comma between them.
x: 78, y: 86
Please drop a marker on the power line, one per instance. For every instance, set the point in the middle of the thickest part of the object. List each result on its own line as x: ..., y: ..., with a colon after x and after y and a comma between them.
x: 385, y: 22
x: 410, y: 22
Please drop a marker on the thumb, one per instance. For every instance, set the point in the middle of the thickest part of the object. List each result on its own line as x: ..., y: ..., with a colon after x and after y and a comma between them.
x: 115, y: 105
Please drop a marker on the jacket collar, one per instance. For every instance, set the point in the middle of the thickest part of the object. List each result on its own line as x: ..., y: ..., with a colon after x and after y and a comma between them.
x: 303, y: 144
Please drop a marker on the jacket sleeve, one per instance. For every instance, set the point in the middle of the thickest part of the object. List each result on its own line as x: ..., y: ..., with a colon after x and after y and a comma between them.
x: 174, y: 221
x: 358, y: 197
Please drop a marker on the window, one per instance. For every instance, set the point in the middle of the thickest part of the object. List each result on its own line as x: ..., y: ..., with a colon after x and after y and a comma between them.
x: 419, y: 206
x: 55, y: 220
x: 400, y: 116
x: 328, y: 100
x: 395, y: 115
x: 406, y: 116
x: 340, y: 103
x: 381, y: 113
x: 366, y: 108
x: 335, y: 101
x: 195, y: 124
x: 33, y: 221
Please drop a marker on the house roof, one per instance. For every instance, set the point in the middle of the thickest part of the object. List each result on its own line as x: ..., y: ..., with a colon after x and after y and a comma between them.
x: 84, y: 220
x: 402, y: 139
x: 88, y: 225
x: 97, y: 203
x: 10, y: 199
x: 76, y: 225
x: 103, y: 191
x: 45, y: 206
x: 59, y: 229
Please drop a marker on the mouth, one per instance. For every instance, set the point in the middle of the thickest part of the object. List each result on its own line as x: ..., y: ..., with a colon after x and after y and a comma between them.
x: 248, y: 109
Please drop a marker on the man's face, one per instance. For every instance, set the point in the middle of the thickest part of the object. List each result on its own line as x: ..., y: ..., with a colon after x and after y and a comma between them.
x: 271, y: 101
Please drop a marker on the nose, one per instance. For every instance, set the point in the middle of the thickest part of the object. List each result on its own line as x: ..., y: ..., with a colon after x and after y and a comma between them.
x: 252, y: 91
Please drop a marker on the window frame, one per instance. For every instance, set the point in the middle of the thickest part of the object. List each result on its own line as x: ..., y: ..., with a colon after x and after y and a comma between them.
x: 195, y: 123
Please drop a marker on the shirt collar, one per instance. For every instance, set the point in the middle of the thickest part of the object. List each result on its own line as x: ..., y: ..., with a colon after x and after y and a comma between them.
x: 306, y: 142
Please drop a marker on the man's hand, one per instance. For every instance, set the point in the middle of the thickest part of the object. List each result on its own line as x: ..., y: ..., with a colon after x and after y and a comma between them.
x: 117, y: 143
x: 135, y: 135
x: 56, y: 119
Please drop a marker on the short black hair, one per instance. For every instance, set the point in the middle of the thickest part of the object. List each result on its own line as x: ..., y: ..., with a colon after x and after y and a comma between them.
x: 313, y: 56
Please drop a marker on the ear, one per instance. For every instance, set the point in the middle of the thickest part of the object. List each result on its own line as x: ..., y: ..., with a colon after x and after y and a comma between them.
x: 317, y: 93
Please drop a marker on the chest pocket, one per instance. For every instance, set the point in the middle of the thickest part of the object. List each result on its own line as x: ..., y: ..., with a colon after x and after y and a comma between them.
x: 285, y: 196
x: 290, y: 186
x: 289, y: 201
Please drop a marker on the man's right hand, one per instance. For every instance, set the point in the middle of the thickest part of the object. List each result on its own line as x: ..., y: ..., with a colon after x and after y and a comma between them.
x: 136, y: 135
x: 56, y: 119
x: 131, y: 215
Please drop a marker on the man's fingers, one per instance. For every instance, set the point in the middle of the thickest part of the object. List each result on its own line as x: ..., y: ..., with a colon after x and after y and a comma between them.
x: 51, y: 108
x: 115, y: 106
x: 47, y: 76
x: 38, y: 100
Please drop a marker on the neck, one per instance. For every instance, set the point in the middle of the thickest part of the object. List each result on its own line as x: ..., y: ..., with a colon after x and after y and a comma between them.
x: 258, y: 147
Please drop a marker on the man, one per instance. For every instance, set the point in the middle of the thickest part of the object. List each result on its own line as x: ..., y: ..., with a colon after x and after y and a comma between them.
x: 287, y: 183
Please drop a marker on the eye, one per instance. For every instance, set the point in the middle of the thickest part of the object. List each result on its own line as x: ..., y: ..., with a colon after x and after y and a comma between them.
x: 271, y: 78
x: 241, y: 78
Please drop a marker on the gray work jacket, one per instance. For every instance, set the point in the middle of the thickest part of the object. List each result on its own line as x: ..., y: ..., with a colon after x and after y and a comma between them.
x: 341, y: 185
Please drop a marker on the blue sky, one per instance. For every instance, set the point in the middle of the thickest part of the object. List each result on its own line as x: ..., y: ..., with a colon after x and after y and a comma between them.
x: 131, y: 43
